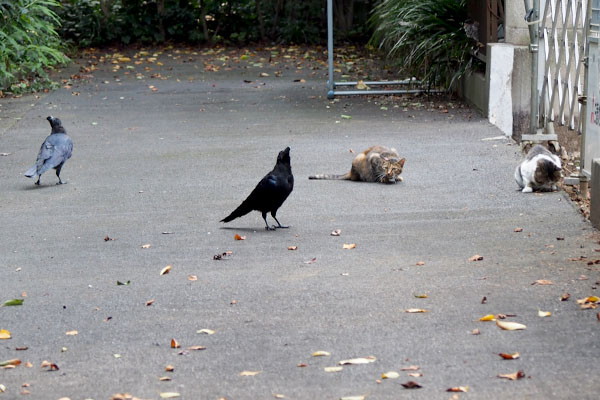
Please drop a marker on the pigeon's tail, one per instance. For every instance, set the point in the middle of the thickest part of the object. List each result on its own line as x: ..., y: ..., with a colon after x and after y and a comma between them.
x: 242, y: 210
x: 31, y: 172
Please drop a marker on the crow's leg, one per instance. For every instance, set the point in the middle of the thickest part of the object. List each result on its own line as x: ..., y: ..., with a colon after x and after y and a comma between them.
x: 60, y: 182
x: 264, y: 215
x: 38, y: 181
x: 276, y: 220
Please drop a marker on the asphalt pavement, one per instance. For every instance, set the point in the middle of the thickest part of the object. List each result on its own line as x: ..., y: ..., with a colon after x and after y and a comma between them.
x: 168, y: 143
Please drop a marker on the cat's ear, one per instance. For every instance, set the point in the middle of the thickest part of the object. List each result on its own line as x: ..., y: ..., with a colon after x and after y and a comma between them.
x: 402, y: 162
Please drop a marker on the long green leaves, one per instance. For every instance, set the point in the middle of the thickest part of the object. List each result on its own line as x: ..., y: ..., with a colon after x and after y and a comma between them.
x: 29, y: 44
x: 425, y: 38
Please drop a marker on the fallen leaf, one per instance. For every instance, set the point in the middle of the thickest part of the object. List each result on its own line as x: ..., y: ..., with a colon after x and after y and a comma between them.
x: 165, y: 270
x: 14, y: 302
x: 206, y: 331
x: 2, y: 388
x: 589, y: 299
x: 264, y: 74
x: 146, y: 246
x: 458, y: 389
x: 415, y: 310
x: 196, y: 348
x: 349, y: 246
x: 353, y: 398
x: 483, y: 300
x: 360, y: 85
x: 513, y: 376
x: 420, y: 263
x: 278, y: 396
x: 175, y: 344
x: 420, y: 296
x: 71, y: 333
x: 233, y: 302
x: 510, y: 326
x: 476, y: 257
x: 336, y: 232
x: 238, y: 237
x: 49, y: 365
x: 414, y: 374
x: 544, y: 313
x: 321, y: 353
x: 489, y: 317
x: 21, y: 348
x: 390, y: 375
x: 150, y: 302
x: 301, y: 365
x: 589, y: 306
x: 333, y: 369
x: 346, y: 116
x: 598, y: 316
x: 357, y: 361
x: 124, y: 59
x: 507, y: 356
x: 311, y: 261
x: 292, y: 247
x: 518, y: 229
x: 164, y: 378
x: 14, y: 362
x: 249, y: 373
x: 4, y: 334
x: 542, y: 282
x: 119, y: 283
x: 475, y: 332
x: 565, y: 297
x: 192, y: 278
x: 352, y: 151
x: 560, y: 238
x: 169, y: 395
x: 410, y: 368
x: 106, y: 238
x: 28, y: 365
x: 169, y: 368
x: 411, y: 385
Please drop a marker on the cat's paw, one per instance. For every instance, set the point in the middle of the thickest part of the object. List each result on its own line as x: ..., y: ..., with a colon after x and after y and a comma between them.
x: 527, y: 189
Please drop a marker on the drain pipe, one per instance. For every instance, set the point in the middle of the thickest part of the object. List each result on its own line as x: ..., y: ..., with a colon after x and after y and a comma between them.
x: 532, y: 8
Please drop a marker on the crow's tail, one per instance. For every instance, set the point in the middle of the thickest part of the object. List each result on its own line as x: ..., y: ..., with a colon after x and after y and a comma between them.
x: 345, y: 177
x: 242, y: 210
x: 31, y: 172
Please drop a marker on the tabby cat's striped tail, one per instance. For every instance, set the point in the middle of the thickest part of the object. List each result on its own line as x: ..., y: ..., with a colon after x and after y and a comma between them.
x: 345, y: 177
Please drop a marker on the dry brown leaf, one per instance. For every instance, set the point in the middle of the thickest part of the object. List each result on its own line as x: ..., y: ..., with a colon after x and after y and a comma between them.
x: 333, y: 369
x: 13, y: 362
x: 196, y: 347
x: 4, y: 334
x: 301, y: 365
x: 414, y: 374
x: 165, y: 270
x: 169, y: 368
x: 518, y: 229
x: 150, y: 302
x: 146, y: 246
x: 2, y: 388
x: 510, y: 326
x: 164, y: 378
x: 206, y: 331
x: 357, y: 361
x: 476, y: 257
x: 278, y: 396
x: 458, y: 389
x: 411, y: 385
x: 475, y: 332
x: 169, y: 395
x: 321, y: 353
x: 348, y: 246
x: 49, y: 365
x: 21, y: 348
x: 390, y: 375
x: 238, y: 237
x: 361, y: 85
x: 589, y: 306
x: 292, y: 247
x: 420, y: 263
x: 565, y: 297
x: 598, y: 316
x: 336, y: 232
x: 353, y: 398
x: 507, y: 356
x: 415, y: 310
x: 311, y: 261
x: 542, y: 282
x: 589, y: 299
x: 175, y: 344
x: 514, y: 376
x: 71, y: 333
x: 410, y: 368
x: 28, y: 365
x: 249, y: 373
x: 544, y: 313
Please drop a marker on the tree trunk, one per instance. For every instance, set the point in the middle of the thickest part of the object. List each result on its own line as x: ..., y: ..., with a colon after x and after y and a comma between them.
x: 261, y: 20
x: 204, y: 24
x: 160, y: 5
x: 343, y: 11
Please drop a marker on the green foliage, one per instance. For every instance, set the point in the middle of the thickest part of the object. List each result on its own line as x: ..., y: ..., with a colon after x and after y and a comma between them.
x: 29, y: 44
x: 425, y: 38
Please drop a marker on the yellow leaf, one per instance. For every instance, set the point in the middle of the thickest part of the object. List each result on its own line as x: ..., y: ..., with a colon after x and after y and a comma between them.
x: 278, y: 396
x: 590, y: 299
x: 321, y: 353
x: 510, y: 326
x: 421, y: 296
x: 415, y: 310
x: 124, y: 59
x: 356, y: 361
x: 544, y: 313
x: 333, y: 369
x: 489, y: 317
x: 169, y: 395
x: 348, y: 246
x: 4, y: 334
x: 206, y: 331
x: 390, y: 375
x: 71, y: 333
x: 165, y: 270
x: 249, y: 373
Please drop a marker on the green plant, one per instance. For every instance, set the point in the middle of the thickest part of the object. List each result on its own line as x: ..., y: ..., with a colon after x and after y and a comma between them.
x: 425, y: 38
x: 29, y: 44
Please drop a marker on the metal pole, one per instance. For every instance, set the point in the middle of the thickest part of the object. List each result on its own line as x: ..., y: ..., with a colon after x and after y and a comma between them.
x: 533, y: 14
x: 330, y: 82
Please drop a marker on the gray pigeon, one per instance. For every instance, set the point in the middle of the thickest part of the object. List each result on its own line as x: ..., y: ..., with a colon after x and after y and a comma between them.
x: 55, y: 151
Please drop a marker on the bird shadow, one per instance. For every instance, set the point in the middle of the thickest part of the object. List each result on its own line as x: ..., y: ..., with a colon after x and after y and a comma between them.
x: 253, y: 230
x: 36, y: 187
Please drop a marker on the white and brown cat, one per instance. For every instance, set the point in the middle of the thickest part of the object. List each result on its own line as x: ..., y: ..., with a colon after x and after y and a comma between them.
x: 376, y: 164
x: 540, y: 170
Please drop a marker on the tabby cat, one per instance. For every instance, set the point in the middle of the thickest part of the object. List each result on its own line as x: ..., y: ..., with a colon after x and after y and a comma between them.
x: 376, y: 164
x: 539, y: 171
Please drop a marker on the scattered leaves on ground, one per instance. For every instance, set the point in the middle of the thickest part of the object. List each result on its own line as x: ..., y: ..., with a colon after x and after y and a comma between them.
x: 420, y: 263
x: 145, y: 246
x: 150, y: 302
x: 169, y: 368
x: 51, y: 366
x: 169, y: 395
x: 518, y: 229
x: 14, y: 362
x: 510, y: 326
x: 420, y: 296
x: 119, y: 283
x: 410, y: 368
x: 489, y: 317
x: 292, y: 248
x: 475, y: 332
x: 353, y: 398
x: 311, y: 261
